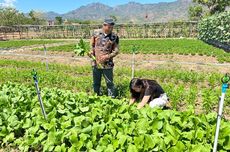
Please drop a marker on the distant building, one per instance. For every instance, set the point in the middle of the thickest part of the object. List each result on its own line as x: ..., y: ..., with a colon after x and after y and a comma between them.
x: 50, y: 22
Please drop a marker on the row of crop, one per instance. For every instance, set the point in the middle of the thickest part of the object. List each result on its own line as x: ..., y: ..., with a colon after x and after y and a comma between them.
x: 78, y: 122
x: 184, y: 88
x: 21, y: 43
x: 163, y: 46
x: 164, y: 75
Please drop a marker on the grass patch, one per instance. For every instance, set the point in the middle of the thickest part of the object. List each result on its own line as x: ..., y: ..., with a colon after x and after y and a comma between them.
x: 21, y: 43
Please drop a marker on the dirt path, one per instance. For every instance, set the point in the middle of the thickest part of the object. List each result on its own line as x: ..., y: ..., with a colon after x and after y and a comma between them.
x: 143, y: 61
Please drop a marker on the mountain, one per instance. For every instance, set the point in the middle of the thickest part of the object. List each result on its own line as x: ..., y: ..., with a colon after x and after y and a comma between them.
x: 130, y: 12
x: 51, y: 15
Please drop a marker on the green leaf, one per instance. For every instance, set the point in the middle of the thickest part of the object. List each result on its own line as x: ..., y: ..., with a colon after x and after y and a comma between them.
x: 51, y: 140
x: 122, y: 139
x: 188, y: 135
x: 89, y: 145
x: 171, y: 130
x: 83, y: 137
x: 57, y: 149
x: 87, y: 129
x: 0, y: 121
x: 80, y: 49
x: 227, y: 143
x: 61, y: 111
x: 199, y: 148
x: 3, y: 131
x: 13, y: 121
x: 84, y: 109
x: 27, y: 124
x: 78, y: 120
x: 142, y: 125
x: 132, y: 148
x: 199, y: 134
x: 139, y: 141
x: 157, y: 124
x: 9, y: 138
x: 109, y: 148
x: 115, y: 143
x: 149, y: 142
x: 178, y: 147
x: 66, y: 124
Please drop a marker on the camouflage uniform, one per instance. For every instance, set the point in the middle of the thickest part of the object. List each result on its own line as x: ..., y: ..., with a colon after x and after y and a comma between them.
x: 102, y: 44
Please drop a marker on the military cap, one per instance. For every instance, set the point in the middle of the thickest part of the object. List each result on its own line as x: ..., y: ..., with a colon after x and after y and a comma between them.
x: 109, y: 21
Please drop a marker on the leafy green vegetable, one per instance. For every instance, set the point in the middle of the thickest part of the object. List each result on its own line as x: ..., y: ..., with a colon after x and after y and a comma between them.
x: 80, y: 48
x: 95, y: 123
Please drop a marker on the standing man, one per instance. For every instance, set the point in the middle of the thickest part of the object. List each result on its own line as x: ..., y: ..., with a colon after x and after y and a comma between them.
x: 104, y: 46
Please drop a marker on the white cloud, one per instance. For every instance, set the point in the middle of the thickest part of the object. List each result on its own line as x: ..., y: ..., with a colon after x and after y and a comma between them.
x: 8, y: 3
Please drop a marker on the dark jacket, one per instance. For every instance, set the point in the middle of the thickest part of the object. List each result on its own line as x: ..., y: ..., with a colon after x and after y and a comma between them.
x: 102, y: 44
x: 150, y: 87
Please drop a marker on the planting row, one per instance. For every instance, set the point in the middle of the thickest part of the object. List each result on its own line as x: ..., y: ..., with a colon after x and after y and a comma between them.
x: 21, y: 43
x: 163, y: 46
x: 185, y: 88
x: 78, y: 122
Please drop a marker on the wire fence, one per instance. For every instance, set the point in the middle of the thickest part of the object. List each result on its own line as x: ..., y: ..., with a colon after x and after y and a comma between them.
x: 150, y: 30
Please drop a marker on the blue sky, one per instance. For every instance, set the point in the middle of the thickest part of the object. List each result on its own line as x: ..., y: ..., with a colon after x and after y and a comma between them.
x: 63, y: 6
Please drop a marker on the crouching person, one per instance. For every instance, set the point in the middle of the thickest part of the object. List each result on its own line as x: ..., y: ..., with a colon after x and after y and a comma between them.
x: 148, y: 92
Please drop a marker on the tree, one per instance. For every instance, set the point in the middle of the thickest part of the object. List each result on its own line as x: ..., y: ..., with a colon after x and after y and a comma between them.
x: 37, y: 17
x: 113, y: 17
x: 195, y: 12
x: 58, y: 20
x: 10, y: 17
x: 214, y: 6
x: 32, y: 15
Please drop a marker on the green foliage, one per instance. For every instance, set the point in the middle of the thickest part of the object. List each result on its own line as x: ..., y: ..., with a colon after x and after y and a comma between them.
x: 79, y: 122
x: 36, y: 17
x: 162, y: 46
x: 113, y: 17
x: 195, y: 13
x: 215, y: 28
x: 58, y: 20
x: 210, y: 99
x: 134, y: 49
x: 213, y: 5
x: 11, y: 16
x: 183, y: 87
x: 80, y: 48
x: 21, y: 43
x: 83, y: 21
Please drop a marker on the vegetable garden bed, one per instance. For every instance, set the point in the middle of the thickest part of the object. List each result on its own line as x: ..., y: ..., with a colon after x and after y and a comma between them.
x: 21, y: 43
x: 185, y: 88
x: 163, y: 46
x: 78, y: 122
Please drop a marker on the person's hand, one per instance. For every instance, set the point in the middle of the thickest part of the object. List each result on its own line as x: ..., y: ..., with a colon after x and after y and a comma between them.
x: 131, y: 101
x: 90, y: 54
x: 139, y: 107
x: 104, y: 58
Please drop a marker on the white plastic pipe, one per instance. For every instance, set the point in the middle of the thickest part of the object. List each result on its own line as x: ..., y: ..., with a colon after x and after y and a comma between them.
x: 220, y: 111
x: 133, y: 65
